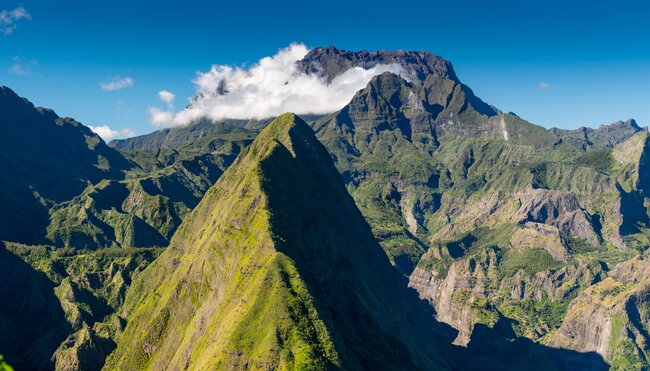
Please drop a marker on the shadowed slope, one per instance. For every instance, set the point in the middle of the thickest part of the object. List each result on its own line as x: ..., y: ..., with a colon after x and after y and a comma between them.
x: 45, y: 159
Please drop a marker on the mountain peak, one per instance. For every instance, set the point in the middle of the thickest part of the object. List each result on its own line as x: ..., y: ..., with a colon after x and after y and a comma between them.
x: 284, y: 124
x: 10, y: 100
x: 280, y: 270
x: 289, y: 130
x: 330, y: 62
x: 604, y: 135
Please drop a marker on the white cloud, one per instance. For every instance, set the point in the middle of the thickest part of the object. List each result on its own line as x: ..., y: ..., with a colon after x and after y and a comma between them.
x: 159, y: 117
x: 269, y: 88
x: 117, y: 83
x: 22, y: 67
x: 166, y: 96
x: 10, y: 18
x: 544, y: 85
x: 107, y: 133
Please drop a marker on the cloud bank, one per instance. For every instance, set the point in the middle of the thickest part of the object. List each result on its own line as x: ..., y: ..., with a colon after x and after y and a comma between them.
x: 269, y: 88
x: 10, y: 18
x: 117, y: 83
x: 107, y: 133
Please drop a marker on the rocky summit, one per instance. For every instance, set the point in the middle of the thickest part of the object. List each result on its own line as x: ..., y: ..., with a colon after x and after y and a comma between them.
x: 416, y: 227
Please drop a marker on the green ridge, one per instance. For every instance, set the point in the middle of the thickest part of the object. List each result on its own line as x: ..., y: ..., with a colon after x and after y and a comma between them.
x: 275, y: 268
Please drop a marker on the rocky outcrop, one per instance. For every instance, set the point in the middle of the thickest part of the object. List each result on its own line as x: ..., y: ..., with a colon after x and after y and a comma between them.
x: 611, y: 317
x: 83, y: 351
x: 556, y: 208
x: 473, y: 289
x: 330, y: 62
x: 555, y: 285
x: 540, y: 235
x: 440, y: 293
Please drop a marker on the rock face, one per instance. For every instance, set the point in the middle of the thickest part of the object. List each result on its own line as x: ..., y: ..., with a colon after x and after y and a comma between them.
x: 540, y: 235
x: 441, y: 293
x: 611, y: 318
x: 475, y: 290
x: 330, y: 62
x: 557, y: 209
x: 275, y: 268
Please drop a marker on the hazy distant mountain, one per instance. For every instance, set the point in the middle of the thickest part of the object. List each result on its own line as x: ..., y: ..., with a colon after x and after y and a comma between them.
x: 175, y: 138
x: 604, y: 135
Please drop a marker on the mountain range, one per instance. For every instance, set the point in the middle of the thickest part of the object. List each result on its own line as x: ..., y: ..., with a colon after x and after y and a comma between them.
x: 418, y: 227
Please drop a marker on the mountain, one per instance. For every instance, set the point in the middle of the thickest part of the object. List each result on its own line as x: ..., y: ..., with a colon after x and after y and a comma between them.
x: 531, y: 243
x: 330, y: 62
x: 387, y: 144
x: 63, y: 186
x: 177, y: 137
x: 45, y: 159
x: 275, y: 268
x: 57, y: 308
x: 489, y: 215
x: 145, y: 209
x: 604, y: 135
x: 493, y: 218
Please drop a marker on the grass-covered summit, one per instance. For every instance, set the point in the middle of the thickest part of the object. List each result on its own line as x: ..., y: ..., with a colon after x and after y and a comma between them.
x: 275, y: 269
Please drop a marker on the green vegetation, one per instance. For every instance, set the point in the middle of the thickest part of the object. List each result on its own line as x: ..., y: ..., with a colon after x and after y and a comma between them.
x: 4, y: 366
x: 626, y: 355
x: 443, y: 180
x: 530, y: 261
x: 74, y: 293
x: 292, y: 278
x: 536, y: 317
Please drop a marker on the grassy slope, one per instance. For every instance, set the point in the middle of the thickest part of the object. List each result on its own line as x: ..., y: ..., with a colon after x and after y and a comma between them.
x: 250, y: 279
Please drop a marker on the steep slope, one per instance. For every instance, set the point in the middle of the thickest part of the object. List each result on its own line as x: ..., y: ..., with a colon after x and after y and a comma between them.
x: 145, y: 209
x: 612, y: 318
x: 384, y: 143
x: 275, y: 268
x: 57, y: 304
x: 45, y: 159
x: 62, y: 185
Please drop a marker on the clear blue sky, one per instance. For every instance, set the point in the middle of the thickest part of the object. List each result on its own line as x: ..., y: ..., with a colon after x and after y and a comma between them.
x: 561, y: 63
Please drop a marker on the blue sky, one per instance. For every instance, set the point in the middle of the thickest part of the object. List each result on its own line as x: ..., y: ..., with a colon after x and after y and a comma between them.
x: 555, y: 63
